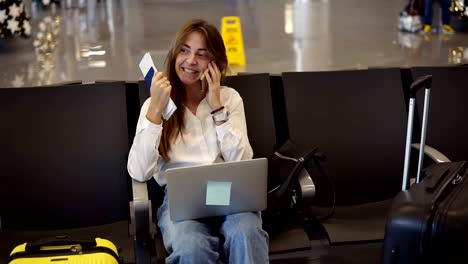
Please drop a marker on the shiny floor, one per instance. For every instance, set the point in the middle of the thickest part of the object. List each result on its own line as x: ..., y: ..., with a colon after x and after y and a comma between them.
x: 92, y: 40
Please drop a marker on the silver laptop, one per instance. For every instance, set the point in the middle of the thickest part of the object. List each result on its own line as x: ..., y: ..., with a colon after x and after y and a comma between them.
x: 217, y: 189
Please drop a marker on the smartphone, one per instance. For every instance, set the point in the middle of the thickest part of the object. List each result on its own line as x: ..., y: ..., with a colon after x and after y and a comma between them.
x: 204, y: 81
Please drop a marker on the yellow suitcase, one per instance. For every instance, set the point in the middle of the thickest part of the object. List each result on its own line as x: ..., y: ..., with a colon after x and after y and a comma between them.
x: 63, y: 250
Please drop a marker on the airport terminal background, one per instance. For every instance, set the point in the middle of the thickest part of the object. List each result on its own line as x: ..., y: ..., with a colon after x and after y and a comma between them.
x: 93, y: 40
x: 104, y: 40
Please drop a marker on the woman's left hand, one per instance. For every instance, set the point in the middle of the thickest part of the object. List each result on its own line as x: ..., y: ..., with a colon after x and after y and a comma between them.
x: 213, y: 78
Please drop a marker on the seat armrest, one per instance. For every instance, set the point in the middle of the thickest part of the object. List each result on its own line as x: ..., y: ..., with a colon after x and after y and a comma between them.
x: 307, y: 185
x: 140, y: 210
x: 432, y: 153
x: 142, y: 227
x: 140, y: 191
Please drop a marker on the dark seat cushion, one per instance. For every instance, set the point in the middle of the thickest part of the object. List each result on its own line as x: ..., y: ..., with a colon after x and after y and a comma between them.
x: 256, y: 95
x: 358, y: 120
x: 65, y: 153
x: 447, y: 128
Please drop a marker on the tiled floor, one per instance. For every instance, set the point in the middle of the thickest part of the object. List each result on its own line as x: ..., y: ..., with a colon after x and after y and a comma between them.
x: 104, y: 40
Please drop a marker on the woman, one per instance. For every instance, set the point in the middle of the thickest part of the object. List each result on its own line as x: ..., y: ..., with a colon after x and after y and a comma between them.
x: 445, y: 16
x: 207, y: 127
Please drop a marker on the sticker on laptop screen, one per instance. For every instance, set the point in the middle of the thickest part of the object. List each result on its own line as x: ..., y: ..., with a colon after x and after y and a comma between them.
x: 218, y: 193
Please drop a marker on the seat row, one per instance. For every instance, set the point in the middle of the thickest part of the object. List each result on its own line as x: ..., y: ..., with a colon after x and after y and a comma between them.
x: 65, y: 148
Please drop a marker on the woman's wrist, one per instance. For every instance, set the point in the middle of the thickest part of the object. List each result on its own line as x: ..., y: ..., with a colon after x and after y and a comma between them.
x: 216, y: 106
x: 154, y: 115
x: 157, y: 120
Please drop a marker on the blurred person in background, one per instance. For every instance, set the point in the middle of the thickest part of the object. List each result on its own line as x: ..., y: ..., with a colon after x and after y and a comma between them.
x: 428, y: 13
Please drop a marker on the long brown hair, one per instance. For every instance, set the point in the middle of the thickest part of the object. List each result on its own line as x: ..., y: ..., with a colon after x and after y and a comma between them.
x: 215, y: 45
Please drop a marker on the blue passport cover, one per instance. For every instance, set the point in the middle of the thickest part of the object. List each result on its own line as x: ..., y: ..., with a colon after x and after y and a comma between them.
x: 149, y: 77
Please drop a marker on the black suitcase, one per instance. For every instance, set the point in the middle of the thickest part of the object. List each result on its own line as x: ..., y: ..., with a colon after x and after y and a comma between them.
x: 429, y: 222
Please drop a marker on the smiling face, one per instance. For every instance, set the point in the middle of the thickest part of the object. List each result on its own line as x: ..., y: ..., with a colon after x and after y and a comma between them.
x: 192, y: 59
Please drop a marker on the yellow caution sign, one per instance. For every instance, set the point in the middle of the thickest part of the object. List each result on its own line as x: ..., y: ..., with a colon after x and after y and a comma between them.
x: 231, y: 32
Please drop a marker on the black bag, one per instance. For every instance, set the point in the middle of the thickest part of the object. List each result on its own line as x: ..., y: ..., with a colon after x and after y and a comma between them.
x: 428, y: 222
x: 286, y: 198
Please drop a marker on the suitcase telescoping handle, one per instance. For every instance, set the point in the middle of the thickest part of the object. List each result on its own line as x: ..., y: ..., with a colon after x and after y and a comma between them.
x: 426, y: 82
x: 59, y: 241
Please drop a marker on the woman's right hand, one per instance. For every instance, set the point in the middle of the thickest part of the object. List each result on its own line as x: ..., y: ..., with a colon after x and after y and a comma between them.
x: 160, y: 93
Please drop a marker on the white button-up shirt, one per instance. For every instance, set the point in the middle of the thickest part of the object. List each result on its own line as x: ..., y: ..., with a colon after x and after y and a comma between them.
x: 201, y: 143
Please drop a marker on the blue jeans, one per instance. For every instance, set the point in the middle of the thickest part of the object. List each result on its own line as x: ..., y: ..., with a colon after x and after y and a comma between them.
x: 192, y: 241
x: 444, y: 6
